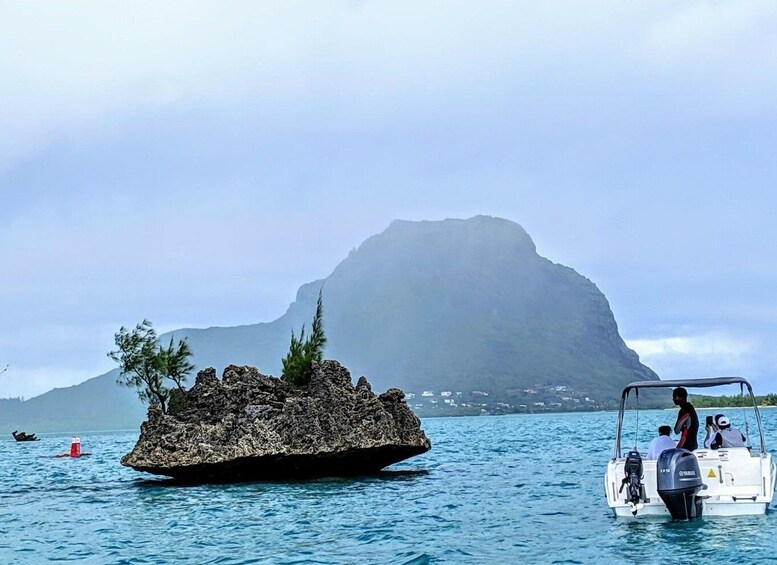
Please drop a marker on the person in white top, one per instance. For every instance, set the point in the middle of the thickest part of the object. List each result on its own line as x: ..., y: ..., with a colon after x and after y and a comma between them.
x: 727, y: 436
x: 660, y: 443
x: 712, y: 429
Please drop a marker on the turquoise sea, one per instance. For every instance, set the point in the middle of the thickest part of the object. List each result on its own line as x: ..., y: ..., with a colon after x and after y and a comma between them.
x: 521, y: 488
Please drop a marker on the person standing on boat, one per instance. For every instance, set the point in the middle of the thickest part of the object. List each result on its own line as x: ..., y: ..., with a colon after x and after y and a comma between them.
x: 687, y: 425
x: 727, y: 436
x: 660, y: 443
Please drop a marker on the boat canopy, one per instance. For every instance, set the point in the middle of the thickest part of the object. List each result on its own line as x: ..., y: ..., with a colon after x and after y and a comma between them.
x: 688, y: 383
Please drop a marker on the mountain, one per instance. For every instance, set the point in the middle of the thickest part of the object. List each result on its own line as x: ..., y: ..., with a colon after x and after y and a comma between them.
x: 97, y: 404
x: 459, y: 305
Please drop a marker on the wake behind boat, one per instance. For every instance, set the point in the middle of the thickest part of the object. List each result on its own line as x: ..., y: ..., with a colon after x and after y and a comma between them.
x: 729, y: 481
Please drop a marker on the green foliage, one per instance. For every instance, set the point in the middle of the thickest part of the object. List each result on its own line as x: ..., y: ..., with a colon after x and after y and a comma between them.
x: 144, y: 365
x: 298, y: 364
x: 735, y: 401
x: 174, y: 362
x: 177, y: 401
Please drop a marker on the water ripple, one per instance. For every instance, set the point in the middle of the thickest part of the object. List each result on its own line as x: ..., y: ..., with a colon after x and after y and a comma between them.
x: 488, y: 492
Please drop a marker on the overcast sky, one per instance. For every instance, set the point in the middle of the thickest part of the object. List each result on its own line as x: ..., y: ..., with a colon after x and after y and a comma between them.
x: 195, y: 163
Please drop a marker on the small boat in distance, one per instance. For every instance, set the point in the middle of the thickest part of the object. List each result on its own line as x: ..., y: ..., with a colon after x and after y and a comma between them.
x: 733, y: 481
x: 22, y: 436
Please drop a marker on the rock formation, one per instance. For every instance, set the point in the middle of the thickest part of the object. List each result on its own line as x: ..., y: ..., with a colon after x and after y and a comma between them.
x: 248, y: 426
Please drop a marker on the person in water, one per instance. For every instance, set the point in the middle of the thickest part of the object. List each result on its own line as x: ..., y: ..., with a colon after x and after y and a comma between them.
x: 687, y: 425
x: 660, y: 443
x: 727, y: 436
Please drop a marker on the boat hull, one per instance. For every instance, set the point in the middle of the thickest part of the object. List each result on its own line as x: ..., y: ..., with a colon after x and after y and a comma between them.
x: 737, y: 483
x: 710, y: 509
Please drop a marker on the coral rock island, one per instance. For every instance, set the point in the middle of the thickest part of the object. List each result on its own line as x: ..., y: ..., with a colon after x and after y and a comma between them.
x: 248, y: 426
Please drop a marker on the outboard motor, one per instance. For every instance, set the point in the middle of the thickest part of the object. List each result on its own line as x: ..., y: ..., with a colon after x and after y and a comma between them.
x: 633, y: 471
x: 679, y: 482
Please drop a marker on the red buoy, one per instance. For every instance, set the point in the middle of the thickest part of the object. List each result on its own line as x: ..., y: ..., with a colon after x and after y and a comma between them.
x: 75, y: 447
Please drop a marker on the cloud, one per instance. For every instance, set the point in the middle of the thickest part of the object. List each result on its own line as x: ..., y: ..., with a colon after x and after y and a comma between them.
x: 716, y: 345
x: 193, y: 163
x: 705, y: 355
x: 75, y: 71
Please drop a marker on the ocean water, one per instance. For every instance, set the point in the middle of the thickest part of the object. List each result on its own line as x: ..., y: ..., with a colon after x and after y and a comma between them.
x: 492, y: 490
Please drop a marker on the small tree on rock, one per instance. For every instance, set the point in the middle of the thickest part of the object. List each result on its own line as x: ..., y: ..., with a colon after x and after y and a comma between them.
x: 175, y: 365
x: 145, y: 364
x: 298, y: 364
x: 174, y: 362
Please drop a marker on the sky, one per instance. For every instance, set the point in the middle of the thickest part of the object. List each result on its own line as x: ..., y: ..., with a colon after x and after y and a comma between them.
x: 194, y: 163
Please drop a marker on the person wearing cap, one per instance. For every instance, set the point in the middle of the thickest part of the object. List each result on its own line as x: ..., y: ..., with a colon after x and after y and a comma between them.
x: 687, y: 425
x: 727, y: 436
x: 660, y: 443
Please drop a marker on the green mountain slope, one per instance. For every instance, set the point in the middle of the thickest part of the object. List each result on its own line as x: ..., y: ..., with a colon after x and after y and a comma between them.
x: 448, y: 305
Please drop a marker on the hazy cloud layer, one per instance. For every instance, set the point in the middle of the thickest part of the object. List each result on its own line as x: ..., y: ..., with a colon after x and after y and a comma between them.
x: 710, y: 355
x: 194, y: 163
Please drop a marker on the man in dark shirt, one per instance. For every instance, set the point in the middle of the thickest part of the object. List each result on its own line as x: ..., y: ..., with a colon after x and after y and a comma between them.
x: 687, y: 425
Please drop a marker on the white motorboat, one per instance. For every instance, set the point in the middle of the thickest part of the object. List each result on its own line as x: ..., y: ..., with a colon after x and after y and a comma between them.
x: 737, y: 481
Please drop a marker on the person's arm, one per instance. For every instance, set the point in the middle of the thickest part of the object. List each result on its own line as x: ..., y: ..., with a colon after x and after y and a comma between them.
x: 711, y: 432
x: 683, y: 421
x: 682, y: 427
x: 717, y: 441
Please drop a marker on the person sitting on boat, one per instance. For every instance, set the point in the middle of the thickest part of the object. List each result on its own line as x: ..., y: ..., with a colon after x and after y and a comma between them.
x: 727, y: 436
x: 712, y: 428
x: 660, y: 443
x: 687, y: 425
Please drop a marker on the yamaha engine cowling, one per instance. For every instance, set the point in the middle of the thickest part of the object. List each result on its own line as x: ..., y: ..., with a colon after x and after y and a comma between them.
x: 679, y: 482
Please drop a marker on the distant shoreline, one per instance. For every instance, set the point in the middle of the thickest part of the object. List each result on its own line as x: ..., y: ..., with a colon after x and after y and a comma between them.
x: 764, y: 407
x: 613, y: 410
